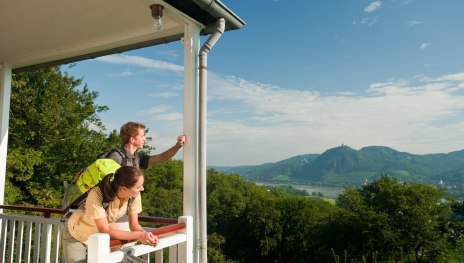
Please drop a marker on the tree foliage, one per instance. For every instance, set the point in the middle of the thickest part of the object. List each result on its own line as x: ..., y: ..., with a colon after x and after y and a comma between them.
x: 386, y: 220
x: 163, y: 185
x: 54, y: 131
x: 259, y: 225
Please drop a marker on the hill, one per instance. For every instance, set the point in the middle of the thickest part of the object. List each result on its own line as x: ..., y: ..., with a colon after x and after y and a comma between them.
x: 342, y: 166
x: 278, y: 171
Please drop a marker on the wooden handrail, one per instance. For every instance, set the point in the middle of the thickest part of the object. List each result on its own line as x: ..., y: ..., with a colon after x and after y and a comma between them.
x: 47, y: 212
x: 158, y: 231
x: 159, y: 220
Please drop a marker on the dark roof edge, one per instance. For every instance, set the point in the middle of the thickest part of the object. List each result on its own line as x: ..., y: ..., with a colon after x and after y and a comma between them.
x: 100, y: 53
x: 219, y: 10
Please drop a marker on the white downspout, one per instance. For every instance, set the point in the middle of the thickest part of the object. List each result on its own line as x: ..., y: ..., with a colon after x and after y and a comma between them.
x: 203, y: 57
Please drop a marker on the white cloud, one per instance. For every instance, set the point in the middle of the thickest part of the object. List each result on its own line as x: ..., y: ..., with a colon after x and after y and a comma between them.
x: 414, y: 23
x: 373, y: 6
x: 158, y: 109
x: 406, y: 2
x: 140, y: 62
x: 415, y: 116
x: 165, y: 94
x: 424, y: 45
x: 172, y: 116
x: 164, y: 113
x: 370, y: 21
x: 126, y: 73
x: 168, y: 54
x: 270, y: 123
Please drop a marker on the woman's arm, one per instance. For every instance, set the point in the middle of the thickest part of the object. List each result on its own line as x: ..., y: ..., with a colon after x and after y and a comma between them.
x: 146, y: 238
x: 134, y: 223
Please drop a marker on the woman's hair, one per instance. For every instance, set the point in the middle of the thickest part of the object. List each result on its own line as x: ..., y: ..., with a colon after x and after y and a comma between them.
x: 129, y: 130
x: 126, y: 176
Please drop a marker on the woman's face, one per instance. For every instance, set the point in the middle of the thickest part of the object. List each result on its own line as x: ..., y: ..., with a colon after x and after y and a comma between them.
x: 134, y: 190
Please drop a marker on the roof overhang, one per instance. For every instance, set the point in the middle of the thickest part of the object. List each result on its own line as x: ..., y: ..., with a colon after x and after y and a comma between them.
x: 52, y: 32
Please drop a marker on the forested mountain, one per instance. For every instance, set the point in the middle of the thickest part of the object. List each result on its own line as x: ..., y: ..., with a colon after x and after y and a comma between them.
x: 346, y: 166
x: 277, y: 171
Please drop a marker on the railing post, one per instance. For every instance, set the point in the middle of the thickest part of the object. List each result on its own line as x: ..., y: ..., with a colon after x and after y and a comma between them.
x: 185, y: 251
x: 5, y: 97
x: 98, y: 248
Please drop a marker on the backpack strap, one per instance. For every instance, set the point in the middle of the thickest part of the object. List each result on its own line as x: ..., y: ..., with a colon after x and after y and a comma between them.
x: 121, y: 151
x: 123, y: 154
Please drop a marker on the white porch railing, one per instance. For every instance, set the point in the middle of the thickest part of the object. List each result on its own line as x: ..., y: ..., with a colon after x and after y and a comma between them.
x: 29, y: 239
x: 180, y: 248
x: 25, y: 238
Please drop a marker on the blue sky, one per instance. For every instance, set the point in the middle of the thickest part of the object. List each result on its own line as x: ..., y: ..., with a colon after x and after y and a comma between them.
x: 302, y: 77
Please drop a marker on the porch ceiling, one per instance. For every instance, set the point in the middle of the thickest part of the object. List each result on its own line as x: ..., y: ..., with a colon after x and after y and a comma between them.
x: 49, y: 32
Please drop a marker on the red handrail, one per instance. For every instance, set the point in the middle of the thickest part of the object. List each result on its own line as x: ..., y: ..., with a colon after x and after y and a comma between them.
x: 157, y: 232
x: 46, y: 211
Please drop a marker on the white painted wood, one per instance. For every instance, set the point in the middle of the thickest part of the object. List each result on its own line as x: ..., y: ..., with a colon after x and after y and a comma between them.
x: 186, y: 250
x: 28, y: 242
x: 19, y: 240
x: 159, y: 256
x: 11, y: 239
x: 5, y: 94
x: 173, y: 254
x: 38, y: 236
x: 3, y: 240
x: 98, y: 248
x: 191, y: 44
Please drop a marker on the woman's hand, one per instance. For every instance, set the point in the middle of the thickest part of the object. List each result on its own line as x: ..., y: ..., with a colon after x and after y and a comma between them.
x: 148, y: 238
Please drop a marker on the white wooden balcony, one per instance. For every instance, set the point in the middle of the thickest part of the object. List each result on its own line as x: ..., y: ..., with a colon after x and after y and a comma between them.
x: 31, y: 238
x: 98, y: 28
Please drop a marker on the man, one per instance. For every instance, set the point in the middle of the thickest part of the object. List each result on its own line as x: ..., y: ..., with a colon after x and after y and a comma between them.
x: 133, y: 138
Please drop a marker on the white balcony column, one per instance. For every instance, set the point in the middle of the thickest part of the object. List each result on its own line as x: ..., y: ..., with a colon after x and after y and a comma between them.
x: 184, y: 251
x: 99, y: 248
x: 5, y: 95
x: 191, y: 43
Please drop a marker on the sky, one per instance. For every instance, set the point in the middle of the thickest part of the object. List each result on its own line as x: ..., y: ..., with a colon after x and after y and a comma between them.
x: 303, y: 77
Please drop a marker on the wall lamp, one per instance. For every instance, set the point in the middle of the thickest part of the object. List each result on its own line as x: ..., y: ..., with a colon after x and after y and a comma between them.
x: 157, y: 13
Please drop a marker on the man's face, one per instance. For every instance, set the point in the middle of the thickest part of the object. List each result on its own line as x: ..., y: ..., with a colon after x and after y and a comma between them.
x: 139, y: 140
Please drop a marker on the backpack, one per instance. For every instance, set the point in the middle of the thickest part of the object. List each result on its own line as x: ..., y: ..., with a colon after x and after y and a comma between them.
x: 83, y: 181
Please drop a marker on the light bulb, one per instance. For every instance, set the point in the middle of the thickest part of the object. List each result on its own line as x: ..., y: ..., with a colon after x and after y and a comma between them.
x: 158, y: 24
x: 157, y: 14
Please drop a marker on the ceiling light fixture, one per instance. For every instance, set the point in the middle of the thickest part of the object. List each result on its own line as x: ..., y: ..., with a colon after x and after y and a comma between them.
x: 157, y: 13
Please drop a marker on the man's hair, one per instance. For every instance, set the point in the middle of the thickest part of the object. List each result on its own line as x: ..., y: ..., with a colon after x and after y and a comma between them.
x: 129, y: 130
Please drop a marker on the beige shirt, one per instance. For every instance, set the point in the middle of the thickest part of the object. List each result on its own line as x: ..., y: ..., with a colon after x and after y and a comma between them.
x: 81, y: 224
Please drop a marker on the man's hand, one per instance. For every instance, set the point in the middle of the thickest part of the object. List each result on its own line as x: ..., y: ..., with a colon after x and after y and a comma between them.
x: 181, y: 140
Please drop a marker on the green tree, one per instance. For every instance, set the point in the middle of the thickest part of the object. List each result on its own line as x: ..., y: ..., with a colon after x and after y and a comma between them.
x: 390, y: 221
x: 54, y: 131
x: 260, y: 225
x: 163, y: 185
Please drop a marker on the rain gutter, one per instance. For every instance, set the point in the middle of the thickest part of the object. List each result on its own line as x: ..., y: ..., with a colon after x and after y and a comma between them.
x: 219, y: 10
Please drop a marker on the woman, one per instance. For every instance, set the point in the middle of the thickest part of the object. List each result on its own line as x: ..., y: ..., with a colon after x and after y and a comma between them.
x: 97, y: 216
